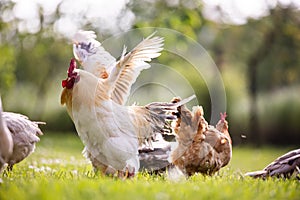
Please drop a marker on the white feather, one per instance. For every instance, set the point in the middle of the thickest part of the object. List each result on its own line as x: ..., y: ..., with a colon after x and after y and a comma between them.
x: 107, y: 130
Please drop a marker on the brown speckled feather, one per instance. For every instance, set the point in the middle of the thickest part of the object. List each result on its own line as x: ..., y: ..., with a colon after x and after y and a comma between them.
x: 202, y: 148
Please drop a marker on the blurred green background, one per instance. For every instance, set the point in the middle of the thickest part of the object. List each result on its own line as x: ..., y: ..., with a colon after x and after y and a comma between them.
x: 257, y: 54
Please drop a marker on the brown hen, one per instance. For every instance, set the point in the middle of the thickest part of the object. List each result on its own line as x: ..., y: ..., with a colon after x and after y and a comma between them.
x: 201, y: 148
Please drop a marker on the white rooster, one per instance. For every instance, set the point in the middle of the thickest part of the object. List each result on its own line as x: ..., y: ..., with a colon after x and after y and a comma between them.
x: 110, y: 131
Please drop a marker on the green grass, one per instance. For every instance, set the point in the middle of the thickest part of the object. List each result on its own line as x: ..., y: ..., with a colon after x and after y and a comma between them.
x: 57, y: 170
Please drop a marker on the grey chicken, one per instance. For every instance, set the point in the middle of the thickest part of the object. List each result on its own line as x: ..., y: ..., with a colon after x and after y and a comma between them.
x: 285, y: 166
x: 202, y: 148
x: 24, y: 134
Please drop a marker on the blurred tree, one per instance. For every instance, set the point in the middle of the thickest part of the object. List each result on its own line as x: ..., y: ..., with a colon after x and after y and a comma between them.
x: 7, y: 68
x: 31, y: 61
x: 269, y: 50
x: 274, y: 64
x: 7, y: 52
x: 184, y: 16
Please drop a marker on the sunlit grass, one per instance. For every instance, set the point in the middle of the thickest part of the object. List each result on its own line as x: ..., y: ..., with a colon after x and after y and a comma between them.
x: 57, y: 170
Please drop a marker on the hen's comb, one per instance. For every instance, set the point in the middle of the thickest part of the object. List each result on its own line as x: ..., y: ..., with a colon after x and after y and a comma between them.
x: 223, y: 116
x: 72, y: 66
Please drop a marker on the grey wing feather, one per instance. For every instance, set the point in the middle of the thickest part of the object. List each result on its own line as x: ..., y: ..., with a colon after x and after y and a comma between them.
x: 156, y: 159
x: 24, y: 133
x: 19, y: 124
x: 284, y: 165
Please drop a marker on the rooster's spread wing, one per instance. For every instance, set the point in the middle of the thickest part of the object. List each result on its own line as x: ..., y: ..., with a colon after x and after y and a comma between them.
x: 130, y: 66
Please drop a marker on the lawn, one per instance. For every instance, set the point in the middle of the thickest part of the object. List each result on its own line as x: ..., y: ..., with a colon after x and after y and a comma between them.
x: 57, y: 170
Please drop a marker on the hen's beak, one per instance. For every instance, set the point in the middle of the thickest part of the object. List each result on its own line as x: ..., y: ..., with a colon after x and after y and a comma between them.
x: 75, y: 44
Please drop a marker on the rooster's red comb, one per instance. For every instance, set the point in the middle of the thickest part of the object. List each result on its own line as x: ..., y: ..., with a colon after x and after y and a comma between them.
x: 72, y: 66
x: 223, y: 116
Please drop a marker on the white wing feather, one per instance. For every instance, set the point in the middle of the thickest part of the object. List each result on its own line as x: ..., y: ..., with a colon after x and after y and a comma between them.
x: 130, y: 66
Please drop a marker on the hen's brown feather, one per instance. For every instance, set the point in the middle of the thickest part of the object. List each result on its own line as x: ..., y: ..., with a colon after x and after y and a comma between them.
x: 201, y: 148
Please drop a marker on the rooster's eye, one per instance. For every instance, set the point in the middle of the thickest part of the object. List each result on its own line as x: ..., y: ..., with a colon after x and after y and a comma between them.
x: 86, y: 47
